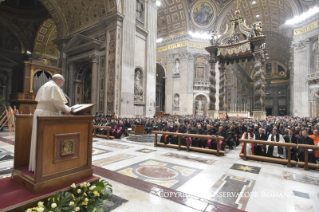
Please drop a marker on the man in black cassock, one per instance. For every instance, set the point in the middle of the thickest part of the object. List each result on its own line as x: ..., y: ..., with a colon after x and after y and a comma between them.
x: 305, y: 139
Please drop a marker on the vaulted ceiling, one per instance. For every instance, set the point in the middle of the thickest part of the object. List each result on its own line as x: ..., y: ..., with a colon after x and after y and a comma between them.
x: 73, y: 15
x: 175, y: 18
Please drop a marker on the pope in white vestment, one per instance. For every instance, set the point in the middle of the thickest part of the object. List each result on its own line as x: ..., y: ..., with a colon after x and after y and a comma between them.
x: 51, y: 100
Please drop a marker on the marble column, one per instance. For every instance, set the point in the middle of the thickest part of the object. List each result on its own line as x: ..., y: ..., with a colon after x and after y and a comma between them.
x: 62, y: 61
x: 188, y: 108
x: 150, y: 88
x: 212, y: 87
x: 221, y: 69
x: 169, y: 84
x: 301, y: 87
x: 71, y: 82
x: 94, y: 84
x: 126, y: 39
x: 9, y: 85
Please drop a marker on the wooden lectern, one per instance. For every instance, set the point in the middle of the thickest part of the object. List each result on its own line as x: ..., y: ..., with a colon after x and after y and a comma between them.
x: 63, y: 152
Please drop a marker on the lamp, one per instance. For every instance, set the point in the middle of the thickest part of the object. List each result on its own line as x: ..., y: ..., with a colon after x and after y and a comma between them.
x: 29, y: 56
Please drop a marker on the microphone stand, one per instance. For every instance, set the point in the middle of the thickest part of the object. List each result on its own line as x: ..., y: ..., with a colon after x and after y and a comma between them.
x: 66, y: 96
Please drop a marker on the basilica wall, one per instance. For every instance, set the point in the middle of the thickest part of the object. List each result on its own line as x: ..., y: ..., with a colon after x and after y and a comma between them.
x: 304, y: 77
x: 187, y: 75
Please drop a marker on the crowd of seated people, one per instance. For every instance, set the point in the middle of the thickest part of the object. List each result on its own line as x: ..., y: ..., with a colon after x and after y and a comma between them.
x: 273, y: 129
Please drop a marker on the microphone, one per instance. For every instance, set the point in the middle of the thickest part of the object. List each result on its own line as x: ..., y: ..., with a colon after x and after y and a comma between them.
x: 66, y: 96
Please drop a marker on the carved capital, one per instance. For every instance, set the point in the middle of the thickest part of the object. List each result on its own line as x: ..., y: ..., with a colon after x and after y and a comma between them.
x: 94, y: 58
x: 301, y: 45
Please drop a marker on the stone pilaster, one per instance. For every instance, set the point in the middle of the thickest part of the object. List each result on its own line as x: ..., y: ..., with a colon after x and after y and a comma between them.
x: 150, y: 82
x: 94, y: 89
x: 124, y: 106
x: 301, y: 69
x: 71, y: 82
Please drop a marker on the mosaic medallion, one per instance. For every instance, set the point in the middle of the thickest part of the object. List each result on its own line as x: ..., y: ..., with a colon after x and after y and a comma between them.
x: 156, y: 172
x: 203, y: 14
x: 166, y: 174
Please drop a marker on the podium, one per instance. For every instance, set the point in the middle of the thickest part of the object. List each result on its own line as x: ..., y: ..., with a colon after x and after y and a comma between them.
x: 63, y: 151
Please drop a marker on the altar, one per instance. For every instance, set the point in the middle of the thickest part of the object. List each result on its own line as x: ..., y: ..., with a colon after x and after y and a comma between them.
x: 239, y: 114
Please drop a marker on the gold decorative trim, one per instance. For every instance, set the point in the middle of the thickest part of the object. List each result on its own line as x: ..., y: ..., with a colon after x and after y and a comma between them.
x: 306, y: 28
x: 180, y: 45
x: 279, y: 81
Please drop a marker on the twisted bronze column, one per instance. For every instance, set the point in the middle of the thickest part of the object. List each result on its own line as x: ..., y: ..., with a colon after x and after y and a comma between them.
x: 221, y: 85
x: 212, y: 87
x: 259, y: 81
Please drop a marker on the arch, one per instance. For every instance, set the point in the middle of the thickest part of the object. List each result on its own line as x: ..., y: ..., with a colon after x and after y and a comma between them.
x: 17, y: 32
x: 160, y: 66
x: 43, y: 44
x: 75, y: 15
x: 160, y: 87
x: 314, y: 95
x: 204, y: 94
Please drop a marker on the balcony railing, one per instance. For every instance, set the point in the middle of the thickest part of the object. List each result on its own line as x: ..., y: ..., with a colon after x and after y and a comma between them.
x: 201, y: 84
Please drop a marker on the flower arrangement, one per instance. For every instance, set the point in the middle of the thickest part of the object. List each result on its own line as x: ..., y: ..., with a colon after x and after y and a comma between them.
x: 85, y: 198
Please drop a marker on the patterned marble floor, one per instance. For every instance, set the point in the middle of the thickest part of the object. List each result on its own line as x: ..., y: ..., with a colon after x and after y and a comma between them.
x: 229, y: 180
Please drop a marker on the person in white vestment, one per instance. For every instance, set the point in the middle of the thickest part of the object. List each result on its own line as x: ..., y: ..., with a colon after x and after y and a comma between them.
x: 51, y: 101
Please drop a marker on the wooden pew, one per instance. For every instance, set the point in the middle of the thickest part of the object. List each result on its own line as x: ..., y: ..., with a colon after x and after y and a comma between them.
x: 188, y: 147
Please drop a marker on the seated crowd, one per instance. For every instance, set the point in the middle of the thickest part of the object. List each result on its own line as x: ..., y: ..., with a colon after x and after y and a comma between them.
x: 275, y: 129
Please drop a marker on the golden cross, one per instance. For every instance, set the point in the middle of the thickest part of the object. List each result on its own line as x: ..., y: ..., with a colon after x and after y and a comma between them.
x: 237, y: 2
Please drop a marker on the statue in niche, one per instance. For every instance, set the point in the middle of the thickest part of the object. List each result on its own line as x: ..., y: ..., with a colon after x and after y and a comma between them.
x: 176, y: 68
x: 315, y: 56
x: 176, y: 101
x: 199, y: 106
x: 138, y: 88
x: 139, y: 10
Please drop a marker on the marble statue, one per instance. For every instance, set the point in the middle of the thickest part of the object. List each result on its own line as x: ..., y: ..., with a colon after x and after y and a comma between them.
x: 176, y: 68
x: 139, y: 9
x: 176, y: 101
x: 138, y: 88
x: 315, y: 56
x: 199, y: 106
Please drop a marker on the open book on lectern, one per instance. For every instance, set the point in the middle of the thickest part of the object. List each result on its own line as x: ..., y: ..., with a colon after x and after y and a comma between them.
x: 82, y: 109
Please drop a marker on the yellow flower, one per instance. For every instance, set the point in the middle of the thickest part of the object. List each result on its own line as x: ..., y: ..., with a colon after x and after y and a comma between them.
x: 84, y: 194
x: 96, y: 193
x: 84, y: 203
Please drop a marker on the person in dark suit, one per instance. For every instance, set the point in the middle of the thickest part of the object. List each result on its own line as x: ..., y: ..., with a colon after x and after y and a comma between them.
x: 167, y: 138
x: 259, y: 147
x: 305, y: 139
x: 291, y: 138
x: 179, y: 129
x: 221, y: 133
x: 197, y: 142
